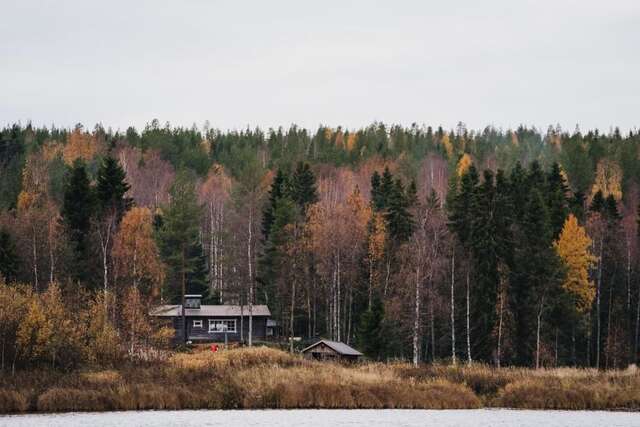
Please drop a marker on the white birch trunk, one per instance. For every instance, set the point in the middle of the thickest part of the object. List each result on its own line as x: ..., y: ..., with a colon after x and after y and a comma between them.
x: 34, y: 243
x: 416, y: 320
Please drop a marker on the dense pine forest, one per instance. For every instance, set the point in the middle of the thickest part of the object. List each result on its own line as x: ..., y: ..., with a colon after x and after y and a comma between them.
x: 510, y: 247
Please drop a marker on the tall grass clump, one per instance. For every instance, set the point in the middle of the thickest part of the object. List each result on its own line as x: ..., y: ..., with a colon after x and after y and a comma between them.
x: 12, y: 401
x: 571, y: 393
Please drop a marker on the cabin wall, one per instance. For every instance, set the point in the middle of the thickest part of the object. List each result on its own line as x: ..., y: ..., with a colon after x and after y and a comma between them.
x: 203, y: 334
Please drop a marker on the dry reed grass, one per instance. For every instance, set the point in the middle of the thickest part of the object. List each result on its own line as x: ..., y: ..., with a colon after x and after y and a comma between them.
x: 12, y: 401
x: 261, y: 377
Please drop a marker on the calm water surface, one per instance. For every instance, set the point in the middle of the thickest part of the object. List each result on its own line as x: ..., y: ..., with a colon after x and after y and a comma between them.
x: 279, y: 418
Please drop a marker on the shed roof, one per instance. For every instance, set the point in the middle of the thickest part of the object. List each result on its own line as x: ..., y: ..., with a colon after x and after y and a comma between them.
x: 210, y: 310
x: 338, y: 347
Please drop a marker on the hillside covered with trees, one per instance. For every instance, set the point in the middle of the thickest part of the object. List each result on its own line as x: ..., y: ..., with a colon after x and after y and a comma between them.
x: 516, y: 247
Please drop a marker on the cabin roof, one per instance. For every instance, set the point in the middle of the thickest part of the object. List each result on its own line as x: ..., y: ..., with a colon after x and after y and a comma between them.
x: 338, y: 347
x: 210, y: 310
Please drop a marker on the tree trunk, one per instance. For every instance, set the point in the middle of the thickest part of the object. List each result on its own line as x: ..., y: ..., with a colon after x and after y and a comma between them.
x: 348, y: 315
x: 433, y: 327
x: 635, y: 353
x: 52, y: 259
x: 338, y: 304
x: 416, y: 320
x: 291, y: 319
x: 556, y: 350
x: 249, y: 243
x: 453, y: 318
x: 184, y: 291
x: 468, y: 323
x: 538, y: 325
x: 598, y: 291
x: 608, y: 349
x: 501, y: 311
x: 34, y: 243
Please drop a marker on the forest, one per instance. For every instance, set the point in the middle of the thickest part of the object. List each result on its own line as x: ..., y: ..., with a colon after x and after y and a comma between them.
x: 507, y: 247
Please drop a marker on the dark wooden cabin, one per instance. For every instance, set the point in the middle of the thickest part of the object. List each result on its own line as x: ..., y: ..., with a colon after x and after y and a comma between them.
x: 210, y: 323
x: 331, y: 350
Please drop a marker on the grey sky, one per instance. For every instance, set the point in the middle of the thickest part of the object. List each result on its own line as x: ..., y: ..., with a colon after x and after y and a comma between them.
x: 347, y: 63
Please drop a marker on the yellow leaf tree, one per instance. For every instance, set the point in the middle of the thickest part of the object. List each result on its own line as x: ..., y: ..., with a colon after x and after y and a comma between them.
x: 464, y: 164
x: 135, y: 251
x: 608, y: 179
x: 573, y: 247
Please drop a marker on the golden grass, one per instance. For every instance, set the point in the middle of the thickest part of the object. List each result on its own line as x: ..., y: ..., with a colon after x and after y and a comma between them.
x: 102, y: 377
x: 12, y: 401
x: 569, y: 393
x: 261, y: 377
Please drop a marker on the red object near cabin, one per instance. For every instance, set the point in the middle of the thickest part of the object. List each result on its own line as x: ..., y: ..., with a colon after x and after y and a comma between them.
x: 214, y: 347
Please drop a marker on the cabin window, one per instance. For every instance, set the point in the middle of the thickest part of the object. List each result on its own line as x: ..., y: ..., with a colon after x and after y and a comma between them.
x: 222, y: 325
x: 197, y: 323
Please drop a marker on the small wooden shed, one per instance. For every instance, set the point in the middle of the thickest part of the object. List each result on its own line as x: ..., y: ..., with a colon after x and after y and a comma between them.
x: 331, y: 350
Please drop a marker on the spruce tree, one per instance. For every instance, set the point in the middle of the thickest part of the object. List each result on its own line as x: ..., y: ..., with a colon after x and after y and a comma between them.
x: 557, y: 192
x: 197, y: 278
x: 519, y: 192
x: 179, y: 244
x: 9, y: 261
x: 303, y: 187
x: 370, y: 331
x: 386, y: 188
x: 535, y: 277
x: 279, y: 188
x: 576, y: 205
x: 597, y: 203
x: 460, y: 211
x: 485, y: 258
x: 377, y: 200
x: 77, y: 209
x: 611, y: 209
x: 399, y: 219
x: 270, y: 262
x: 111, y: 188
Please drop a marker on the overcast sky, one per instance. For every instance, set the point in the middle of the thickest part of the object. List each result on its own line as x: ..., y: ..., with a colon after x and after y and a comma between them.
x: 349, y: 63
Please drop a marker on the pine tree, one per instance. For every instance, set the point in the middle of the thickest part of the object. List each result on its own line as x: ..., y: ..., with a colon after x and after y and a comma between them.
x: 8, y: 257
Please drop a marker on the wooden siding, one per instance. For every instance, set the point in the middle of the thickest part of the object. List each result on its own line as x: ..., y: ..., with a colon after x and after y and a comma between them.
x: 203, y: 334
x: 324, y: 352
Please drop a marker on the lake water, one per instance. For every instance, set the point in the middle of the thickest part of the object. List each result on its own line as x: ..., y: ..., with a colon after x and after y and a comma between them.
x: 351, y: 418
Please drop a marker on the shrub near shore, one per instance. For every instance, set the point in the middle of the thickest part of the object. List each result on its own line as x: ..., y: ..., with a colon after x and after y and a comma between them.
x: 259, y: 377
